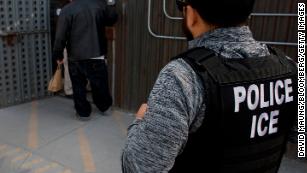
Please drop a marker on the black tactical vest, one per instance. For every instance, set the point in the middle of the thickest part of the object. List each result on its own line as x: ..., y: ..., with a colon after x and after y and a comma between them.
x: 250, y: 108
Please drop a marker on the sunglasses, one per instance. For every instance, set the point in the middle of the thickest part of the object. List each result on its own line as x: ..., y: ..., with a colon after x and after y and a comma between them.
x: 181, y: 4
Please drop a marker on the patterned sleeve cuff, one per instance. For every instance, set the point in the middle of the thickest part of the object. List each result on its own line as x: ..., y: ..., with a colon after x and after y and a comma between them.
x: 134, y: 123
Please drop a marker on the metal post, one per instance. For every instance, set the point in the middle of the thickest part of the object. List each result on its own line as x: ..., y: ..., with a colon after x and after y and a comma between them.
x: 113, y: 66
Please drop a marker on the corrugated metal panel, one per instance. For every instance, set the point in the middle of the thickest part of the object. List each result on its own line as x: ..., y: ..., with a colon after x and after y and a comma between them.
x: 277, y: 29
x: 140, y: 56
x: 24, y: 50
x: 8, y: 57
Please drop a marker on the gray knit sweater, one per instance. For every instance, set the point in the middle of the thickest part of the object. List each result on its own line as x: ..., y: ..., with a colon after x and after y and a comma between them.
x: 176, y: 107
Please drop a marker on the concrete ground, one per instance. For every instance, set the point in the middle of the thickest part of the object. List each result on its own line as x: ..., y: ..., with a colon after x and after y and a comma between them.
x: 45, y: 137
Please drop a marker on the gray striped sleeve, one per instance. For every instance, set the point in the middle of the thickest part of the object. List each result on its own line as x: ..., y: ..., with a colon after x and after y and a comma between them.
x: 154, y: 142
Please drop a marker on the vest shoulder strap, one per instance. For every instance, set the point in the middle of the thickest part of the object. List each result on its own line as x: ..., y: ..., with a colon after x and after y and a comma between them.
x: 197, y: 54
x: 196, y: 57
x: 283, y: 58
x: 225, y: 70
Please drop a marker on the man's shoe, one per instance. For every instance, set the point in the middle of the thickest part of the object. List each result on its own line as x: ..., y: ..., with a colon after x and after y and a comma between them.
x: 105, y: 112
x: 83, y: 118
x: 104, y: 109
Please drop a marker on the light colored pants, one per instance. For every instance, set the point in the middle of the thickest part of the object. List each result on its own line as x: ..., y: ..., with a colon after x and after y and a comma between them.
x: 67, y: 81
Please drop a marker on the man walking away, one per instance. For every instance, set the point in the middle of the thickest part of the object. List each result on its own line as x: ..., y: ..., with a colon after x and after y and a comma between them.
x: 81, y: 29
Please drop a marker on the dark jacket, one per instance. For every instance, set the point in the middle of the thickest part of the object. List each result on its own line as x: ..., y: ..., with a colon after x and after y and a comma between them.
x: 81, y: 29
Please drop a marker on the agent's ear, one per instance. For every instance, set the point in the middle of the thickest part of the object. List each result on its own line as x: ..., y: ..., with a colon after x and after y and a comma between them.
x: 191, y: 17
